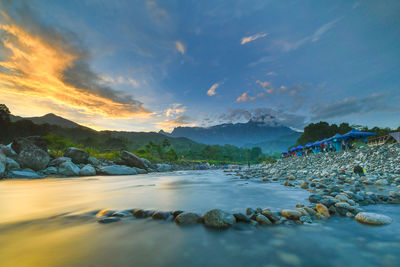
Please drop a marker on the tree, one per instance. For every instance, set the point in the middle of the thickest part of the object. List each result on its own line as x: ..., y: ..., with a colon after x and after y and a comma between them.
x: 166, y: 143
x: 4, y: 113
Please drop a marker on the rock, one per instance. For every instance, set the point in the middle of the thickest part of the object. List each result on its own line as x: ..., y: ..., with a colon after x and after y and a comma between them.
x: 3, y: 163
x: 315, y: 198
x: 50, y: 171
x: 250, y: 211
x: 109, y: 219
x: 8, y: 151
x: 132, y: 160
x: 56, y: 162
x: 240, y: 217
x: 159, y: 215
x: 123, y: 213
x: 291, y: 214
x: 176, y: 213
x: 218, y: 219
x: 322, y: 209
x: 373, y: 218
x: 12, y: 164
x: 146, y: 162
x: 271, y: 216
x: 261, y: 219
x: 304, y: 185
x: 77, y: 155
x: 87, y: 170
x: 139, y: 213
x: 22, y: 143
x: 140, y: 171
x: 310, y: 210
x: 117, y: 170
x: 105, y: 213
x: 23, y: 174
x: 68, y: 169
x: 305, y: 219
x: 94, y: 161
x: 33, y: 158
x: 187, y: 218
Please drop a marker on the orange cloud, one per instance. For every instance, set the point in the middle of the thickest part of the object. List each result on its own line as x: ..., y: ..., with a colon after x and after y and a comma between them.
x: 244, y: 97
x: 35, y: 66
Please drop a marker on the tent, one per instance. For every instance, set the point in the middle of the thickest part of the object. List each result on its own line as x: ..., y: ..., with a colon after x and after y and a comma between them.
x: 357, y: 134
x: 308, y: 145
x: 337, y: 141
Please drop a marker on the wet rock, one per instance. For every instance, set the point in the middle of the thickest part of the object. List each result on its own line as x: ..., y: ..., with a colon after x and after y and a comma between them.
x: 315, y: 198
x: 304, y: 185
x: 176, y: 213
x: 87, y: 170
x: 68, y: 169
x: 122, y: 213
x: 56, y: 162
x: 117, y: 170
x: 291, y: 214
x: 240, y: 217
x: 187, y: 218
x: 50, y: 171
x: 132, y: 160
x: 3, y: 163
x: 77, y: 155
x: 33, y: 158
x: 270, y: 215
x: 160, y: 215
x: 310, y: 211
x: 105, y: 213
x: 373, y: 218
x: 109, y: 219
x: 262, y: 220
x: 8, y: 151
x: 218, y: 219
x: 322, y: 209
x: 250, y: 211
x: 305, y: 219
x: 139, y: 213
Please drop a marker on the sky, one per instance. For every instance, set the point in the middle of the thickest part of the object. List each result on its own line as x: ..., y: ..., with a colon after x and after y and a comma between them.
x: 149, y: 65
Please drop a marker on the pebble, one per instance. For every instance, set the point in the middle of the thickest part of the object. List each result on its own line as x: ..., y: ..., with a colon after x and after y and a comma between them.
x: 373, y: 218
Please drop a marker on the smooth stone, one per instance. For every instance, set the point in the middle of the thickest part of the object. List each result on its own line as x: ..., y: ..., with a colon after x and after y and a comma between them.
x: 94, y: 161
x: 176, y: 213
x: 373, y: 218
x: 217, y: 218
x: 132, y: 160
x: 160, y: 215
x: 291, y: 214
x: 87, y: 170
x: 139, y: 213
x: 240, y: 217
x: 68, y: 169
x: 322, y: 209
x: 3, y: 164
x: 262, y: 220
x: 50, y: 171
x: 305, y: 219
x: 270, y: 215
x: 109, y: 219
x: 187, y: 218
x: 33, y: 158
x: 315, y: 198
x: 117, y: 170
x: 12, y: 164
x: 105, y: 213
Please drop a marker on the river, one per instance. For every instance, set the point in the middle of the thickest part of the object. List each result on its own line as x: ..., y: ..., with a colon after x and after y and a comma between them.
x: 50, y: 222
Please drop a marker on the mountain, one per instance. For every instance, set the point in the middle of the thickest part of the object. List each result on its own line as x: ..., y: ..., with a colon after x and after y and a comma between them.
x: 251, y: 133
x: 50, y: 118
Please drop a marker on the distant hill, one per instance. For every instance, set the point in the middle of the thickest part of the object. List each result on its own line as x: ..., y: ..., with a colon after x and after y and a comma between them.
x: 50, y: 118
x: 271, y: 137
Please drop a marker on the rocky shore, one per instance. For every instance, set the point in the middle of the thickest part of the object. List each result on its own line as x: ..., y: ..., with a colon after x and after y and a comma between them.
x: 336, y: 187
x: 28, y: 158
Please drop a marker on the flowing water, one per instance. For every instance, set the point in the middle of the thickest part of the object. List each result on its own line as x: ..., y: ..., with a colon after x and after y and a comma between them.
x: 50, y: 222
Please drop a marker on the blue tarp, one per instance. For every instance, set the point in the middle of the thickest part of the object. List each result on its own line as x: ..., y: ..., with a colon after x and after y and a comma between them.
x: 357, y: 134
x: 309, y: 145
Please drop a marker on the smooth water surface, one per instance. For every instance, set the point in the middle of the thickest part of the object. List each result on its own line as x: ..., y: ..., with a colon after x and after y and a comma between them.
x: 43, y: 223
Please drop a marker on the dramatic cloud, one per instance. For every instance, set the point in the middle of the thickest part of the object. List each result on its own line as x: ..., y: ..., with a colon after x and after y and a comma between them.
x: 252, y: 38
x: 42, y: 63
x: 266, y: 115
x: 349, y: 106
x: 211, y: 91
x: 175, y: 109
x: 180, y: 47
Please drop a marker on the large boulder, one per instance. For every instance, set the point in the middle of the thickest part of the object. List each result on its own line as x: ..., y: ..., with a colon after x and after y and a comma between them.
x: 117, y: 170
x: 217, y: 218
x: 3, y: 163
x: 132, y: 160
x: 34, y: 158
x: 68, y: 169
x: 56, y: 162
x: 21, y: 143
x: 163, y: 167
x: 8, y: 151
x: 77, y: 155
x: 87, y: 170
